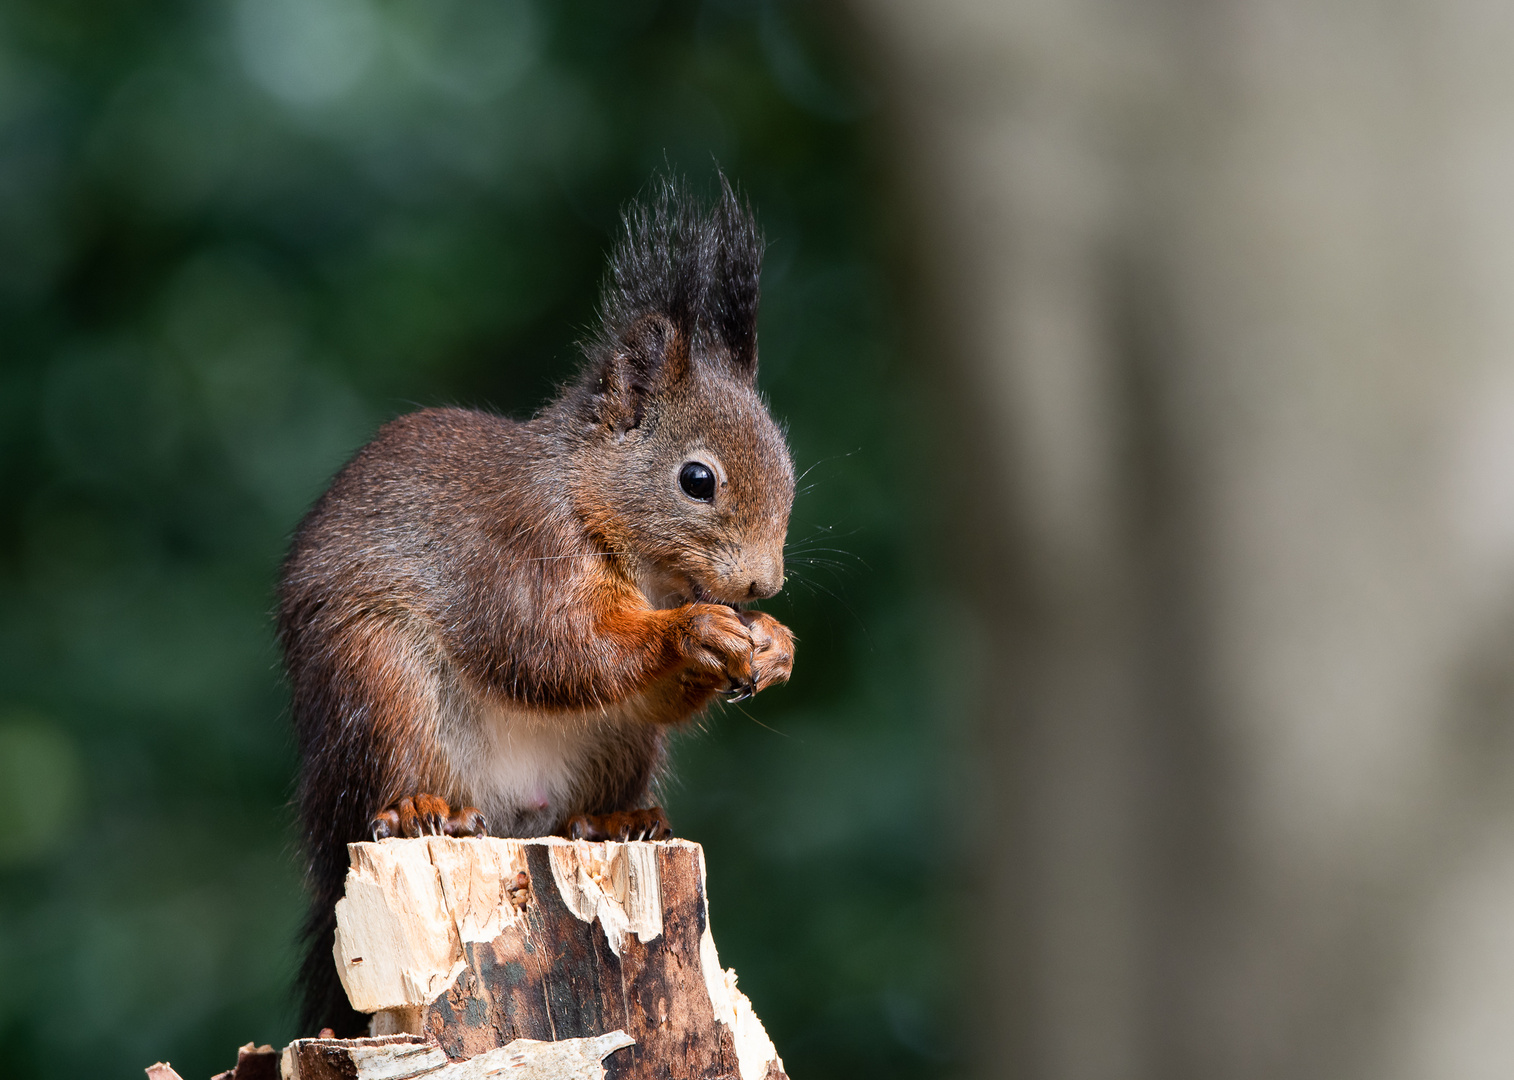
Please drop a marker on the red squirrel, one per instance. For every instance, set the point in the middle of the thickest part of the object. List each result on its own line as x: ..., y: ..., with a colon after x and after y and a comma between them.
x: 489, y: 626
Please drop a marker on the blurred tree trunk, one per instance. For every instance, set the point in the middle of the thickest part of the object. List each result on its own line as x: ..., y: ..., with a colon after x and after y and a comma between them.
x: 1222, y: 298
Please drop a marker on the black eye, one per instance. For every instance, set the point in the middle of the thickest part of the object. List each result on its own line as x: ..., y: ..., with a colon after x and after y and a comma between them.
x: 697, y: 481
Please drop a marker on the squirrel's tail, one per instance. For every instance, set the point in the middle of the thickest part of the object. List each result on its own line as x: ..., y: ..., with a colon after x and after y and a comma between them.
x: 324, y: 1002
x: 335, y: 811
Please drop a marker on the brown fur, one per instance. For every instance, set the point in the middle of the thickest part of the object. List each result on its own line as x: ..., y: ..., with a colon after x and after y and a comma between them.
x: 511, y: 614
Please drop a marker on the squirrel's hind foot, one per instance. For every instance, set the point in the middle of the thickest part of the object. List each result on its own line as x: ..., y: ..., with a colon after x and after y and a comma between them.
x: 427, y: 815
x: 648, y: 824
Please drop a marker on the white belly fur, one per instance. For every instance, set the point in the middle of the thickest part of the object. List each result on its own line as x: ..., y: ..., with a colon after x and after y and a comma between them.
x: 523, y: 768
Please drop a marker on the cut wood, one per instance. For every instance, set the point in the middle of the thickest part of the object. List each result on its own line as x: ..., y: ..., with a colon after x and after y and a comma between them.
x: 477, y: 943
x: 542, y: 959
x: 253, y: 1063
x: 410, y: 1057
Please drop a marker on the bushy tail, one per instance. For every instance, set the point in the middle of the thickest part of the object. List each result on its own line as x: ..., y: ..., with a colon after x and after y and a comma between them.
x: 324, y: 1002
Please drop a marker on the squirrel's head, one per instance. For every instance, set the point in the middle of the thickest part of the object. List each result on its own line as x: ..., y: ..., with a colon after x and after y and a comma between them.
x: 682, y: 468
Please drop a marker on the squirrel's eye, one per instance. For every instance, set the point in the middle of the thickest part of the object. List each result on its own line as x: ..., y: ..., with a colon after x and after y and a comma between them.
x: 697, y: 481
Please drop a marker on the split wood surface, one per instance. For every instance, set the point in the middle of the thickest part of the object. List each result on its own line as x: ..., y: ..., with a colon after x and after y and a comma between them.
x: 542, y: 959
x: 411, y: 1057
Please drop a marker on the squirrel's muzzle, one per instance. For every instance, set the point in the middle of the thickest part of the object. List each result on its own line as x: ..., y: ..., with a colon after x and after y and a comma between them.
x: 764, y: 576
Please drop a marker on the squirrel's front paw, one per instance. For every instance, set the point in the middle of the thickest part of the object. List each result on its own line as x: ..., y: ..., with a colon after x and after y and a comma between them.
x: 773, y: 649
x: 427, y: 815
x: 720, y: 649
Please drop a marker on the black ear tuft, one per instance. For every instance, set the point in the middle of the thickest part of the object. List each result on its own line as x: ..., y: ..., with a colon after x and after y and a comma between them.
x: 730, y: 300
x: 695, y: 270
x: 658, y: 265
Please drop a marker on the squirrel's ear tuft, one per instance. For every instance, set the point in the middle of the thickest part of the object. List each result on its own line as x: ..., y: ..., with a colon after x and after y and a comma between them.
x: 729, y: 309
x: 650, y: 358
x: 691, y: 271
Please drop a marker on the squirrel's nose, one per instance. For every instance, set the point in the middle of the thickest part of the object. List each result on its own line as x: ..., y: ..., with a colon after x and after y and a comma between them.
x: 768, y: 579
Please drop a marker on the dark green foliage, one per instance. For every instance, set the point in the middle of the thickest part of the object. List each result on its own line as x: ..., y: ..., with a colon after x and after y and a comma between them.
x: 236, y: 237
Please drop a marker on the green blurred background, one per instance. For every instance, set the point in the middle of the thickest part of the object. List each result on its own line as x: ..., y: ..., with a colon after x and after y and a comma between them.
x: 235, y: 238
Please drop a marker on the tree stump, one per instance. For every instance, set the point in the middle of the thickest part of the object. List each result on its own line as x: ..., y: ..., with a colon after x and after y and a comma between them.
x: 476, y: 943
x: 543, y: 959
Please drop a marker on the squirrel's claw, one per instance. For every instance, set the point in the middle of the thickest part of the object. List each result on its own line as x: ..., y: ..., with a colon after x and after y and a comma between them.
x: 648, y: 824
x: 773, y: 650
x: 427, y: 815
x: 738, y: 691
x: 467, y: 821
